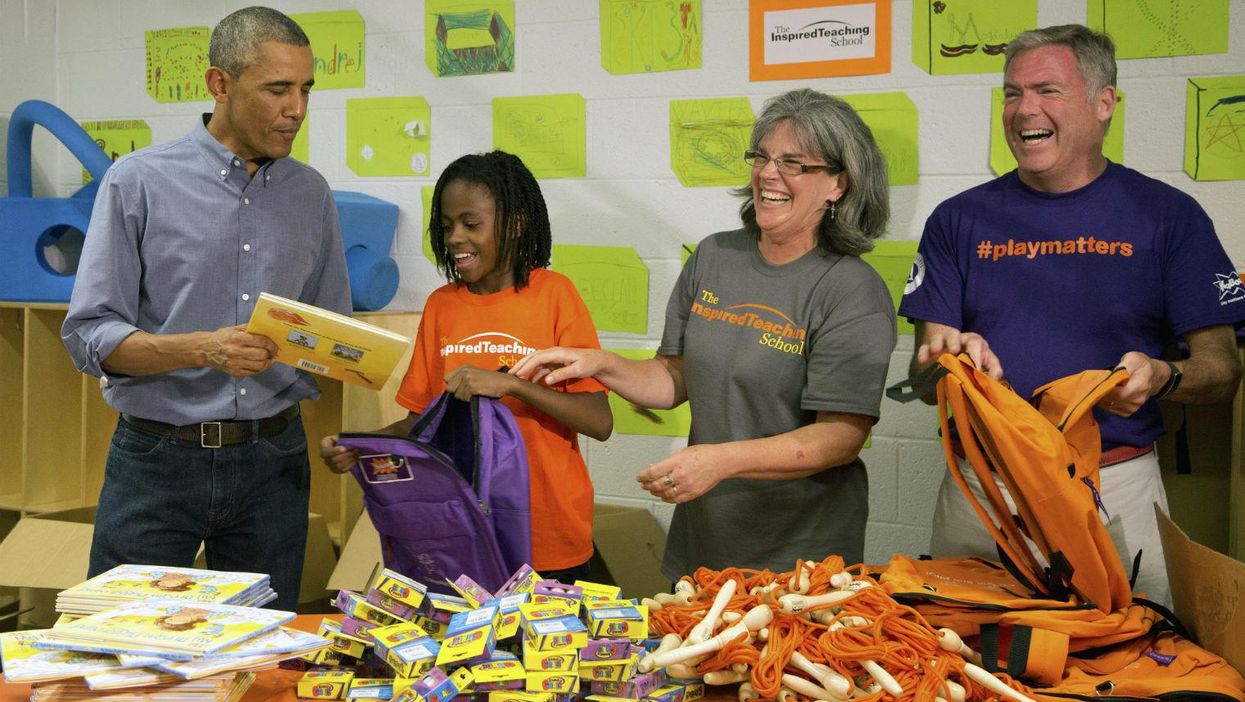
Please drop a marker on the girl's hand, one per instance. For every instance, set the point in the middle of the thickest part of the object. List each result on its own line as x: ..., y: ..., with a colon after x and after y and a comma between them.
x: 466, y: 382
x: 558, y: 364
x: 339, y: 459
x: 682, y: 476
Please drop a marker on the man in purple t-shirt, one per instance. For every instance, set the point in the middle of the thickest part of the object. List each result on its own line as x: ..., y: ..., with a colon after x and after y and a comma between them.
x: 1070, y: 263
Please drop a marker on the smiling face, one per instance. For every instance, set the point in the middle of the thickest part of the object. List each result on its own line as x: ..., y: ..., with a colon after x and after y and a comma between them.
x: 1054, y: 128
x: 469, y: 227
x: 789, y: 208
x: 259, y: 112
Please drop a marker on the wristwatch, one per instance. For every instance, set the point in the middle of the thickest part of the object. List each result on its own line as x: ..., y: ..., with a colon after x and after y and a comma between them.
x: 1172, y: 383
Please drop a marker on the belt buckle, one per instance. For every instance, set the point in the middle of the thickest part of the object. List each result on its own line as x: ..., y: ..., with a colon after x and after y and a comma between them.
x: 204, y: 433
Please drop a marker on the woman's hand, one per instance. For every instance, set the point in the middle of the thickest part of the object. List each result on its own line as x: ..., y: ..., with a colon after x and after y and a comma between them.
x: 558, y: 364
x: 465, y: 382
x: 684, y: 475
x: 339, y: 459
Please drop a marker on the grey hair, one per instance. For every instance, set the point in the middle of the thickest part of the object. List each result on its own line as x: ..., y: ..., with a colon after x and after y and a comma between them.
x: 236, y: 39
x: 1094, y: 51
x: 828, y: 127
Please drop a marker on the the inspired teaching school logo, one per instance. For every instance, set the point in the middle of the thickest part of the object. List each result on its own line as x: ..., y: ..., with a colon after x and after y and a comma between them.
x: 771, y: 327
x: 820, y: 34
x: 508, y: 349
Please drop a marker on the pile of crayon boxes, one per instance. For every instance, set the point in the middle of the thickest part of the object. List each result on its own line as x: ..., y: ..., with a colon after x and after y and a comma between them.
x: 533, y: 640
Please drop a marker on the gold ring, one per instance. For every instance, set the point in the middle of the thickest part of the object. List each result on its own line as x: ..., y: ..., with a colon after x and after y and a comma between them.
x: 674, y: 490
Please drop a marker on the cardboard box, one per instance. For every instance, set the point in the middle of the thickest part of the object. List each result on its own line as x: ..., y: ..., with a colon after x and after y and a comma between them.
x: 629, y: 544
x: 50, y: 552
x: 1207, y: 589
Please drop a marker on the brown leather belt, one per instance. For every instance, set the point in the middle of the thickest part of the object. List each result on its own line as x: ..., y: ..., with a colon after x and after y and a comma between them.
x: 1110, y: 457
x: 218, y: 434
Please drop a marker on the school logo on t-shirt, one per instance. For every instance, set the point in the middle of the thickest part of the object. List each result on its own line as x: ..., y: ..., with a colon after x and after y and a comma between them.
x: 916, y: 275
x: 1230, y: 287
x: 776, y: 330
x: 508, y: 349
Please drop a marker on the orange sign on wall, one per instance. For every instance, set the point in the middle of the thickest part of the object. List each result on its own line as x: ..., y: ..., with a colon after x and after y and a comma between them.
x: 818, y: 38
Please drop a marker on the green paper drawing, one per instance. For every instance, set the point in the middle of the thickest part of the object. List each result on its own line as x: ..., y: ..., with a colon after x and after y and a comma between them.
x: 300, y: 150
x: 117, y: 137
x: 967, y: 36
x: 708, y: 139
x: 468, y: 37
x: 177, y: 60
x: 337, y: 47
x: 1151, y: 28
x: 547, y: 131
x: 1214, y: 141
x: 425, y: 196
x: 893, y: 261
x: 388, y: 136
x: 1001, y: 159
x: 643, y: 36
x: 685, y: 252
x: 613, y: 282
x: 892, y: 118
x: 632, y: 419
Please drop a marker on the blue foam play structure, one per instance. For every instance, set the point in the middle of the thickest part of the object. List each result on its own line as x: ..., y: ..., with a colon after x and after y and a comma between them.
x: 29, y: 226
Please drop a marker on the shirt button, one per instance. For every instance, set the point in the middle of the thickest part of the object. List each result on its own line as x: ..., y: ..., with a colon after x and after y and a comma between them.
x: 267, y: 177
x: 246, y: 247
x: 242, y: 391
x: 246, y: 200
x: 224, y: 172
x: 245, y: 297
x: 236, y: 162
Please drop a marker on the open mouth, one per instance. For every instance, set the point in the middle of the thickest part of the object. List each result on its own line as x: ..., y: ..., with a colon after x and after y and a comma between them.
x: 1036, y: 136
x: 464, y: 259
x: 771, y: 196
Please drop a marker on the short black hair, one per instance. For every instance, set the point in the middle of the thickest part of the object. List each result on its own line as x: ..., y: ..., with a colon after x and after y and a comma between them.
x: 236, y: 39
x: 520, y: 211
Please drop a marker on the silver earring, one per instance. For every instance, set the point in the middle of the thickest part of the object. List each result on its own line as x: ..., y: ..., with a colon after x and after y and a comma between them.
x: 832, y: 210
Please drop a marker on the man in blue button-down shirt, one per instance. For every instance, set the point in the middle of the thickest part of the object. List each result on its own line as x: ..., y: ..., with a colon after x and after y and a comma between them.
x: 184, y: 236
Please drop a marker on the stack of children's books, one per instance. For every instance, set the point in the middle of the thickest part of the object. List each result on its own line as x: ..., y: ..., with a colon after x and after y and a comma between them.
x: 136, y: 582
x: 157, y: 648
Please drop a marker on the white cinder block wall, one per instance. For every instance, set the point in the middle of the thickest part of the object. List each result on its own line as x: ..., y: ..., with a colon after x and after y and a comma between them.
x: 87, y: 56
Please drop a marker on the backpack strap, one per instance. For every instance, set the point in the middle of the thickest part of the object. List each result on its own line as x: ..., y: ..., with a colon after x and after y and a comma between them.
x: 915, y: 388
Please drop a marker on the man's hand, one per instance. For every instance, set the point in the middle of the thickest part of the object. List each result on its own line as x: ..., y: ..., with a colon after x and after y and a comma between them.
x: 235, y: 352
x: 465, y: 382
x: 938, y: 339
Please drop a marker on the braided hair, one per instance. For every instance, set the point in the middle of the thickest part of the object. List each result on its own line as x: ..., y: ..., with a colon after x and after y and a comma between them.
x: 520, y: 215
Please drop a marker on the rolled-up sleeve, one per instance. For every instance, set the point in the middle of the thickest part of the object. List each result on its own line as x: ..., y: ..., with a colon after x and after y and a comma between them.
x: 104, y: 306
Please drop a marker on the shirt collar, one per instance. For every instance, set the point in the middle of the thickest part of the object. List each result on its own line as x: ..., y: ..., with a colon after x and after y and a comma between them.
x: 223, y: 161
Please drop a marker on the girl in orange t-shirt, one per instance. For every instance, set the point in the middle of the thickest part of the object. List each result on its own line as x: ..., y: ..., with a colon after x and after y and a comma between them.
x: 490, y: 234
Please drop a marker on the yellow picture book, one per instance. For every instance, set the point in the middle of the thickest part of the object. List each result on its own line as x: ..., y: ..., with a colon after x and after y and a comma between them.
x: 327, y: 343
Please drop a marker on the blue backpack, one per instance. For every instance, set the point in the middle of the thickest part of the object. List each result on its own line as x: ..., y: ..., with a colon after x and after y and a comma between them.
x: 452, y: 498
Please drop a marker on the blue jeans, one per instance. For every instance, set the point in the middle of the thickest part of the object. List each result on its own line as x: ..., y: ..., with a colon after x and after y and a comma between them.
x: 246, y: 503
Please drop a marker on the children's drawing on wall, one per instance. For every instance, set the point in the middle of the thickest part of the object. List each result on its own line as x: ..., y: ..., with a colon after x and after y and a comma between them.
x: 1001, y: 159
x: 630, y: 418
x: 337, y: 47
x: 177, y: 58
x: 893, y: 260
x: 388, y: 136
x: 1215, y: 128
x: 468, y: 37
x: 613, y: 282
x: 547, y: 131
x: 117, y: 137
x: 892, y: 117
x: 967, y: 36
x: 642, y: 36
x: 1152, y: 28
x: 708, y: 139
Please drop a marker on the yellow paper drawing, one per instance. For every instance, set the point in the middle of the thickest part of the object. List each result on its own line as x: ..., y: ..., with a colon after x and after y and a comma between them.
x: 388, y: 136
x: 425, y: 196
x: 468, y: 37
x: 892, y: 117
x: 1214, y: 143
x: 633, y: 419
x: 685, y: 252
x: 117, y: 137
x: 642, y: 36
x: 337, y: 47
x: 301, y: 149
x: 1001, y: 159
x: 613, y: 282
x: 708, y: 139
x: 893, y: 261
x: 546, y: 131
x: 1151, y: 28
x: 967, y: 36
x: 177, y: 60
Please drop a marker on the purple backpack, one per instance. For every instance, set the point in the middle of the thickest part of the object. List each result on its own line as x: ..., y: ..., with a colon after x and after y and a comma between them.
x: 452, y: 498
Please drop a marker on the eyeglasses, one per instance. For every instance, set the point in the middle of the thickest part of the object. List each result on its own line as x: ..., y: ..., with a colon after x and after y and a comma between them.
x: 758, y: 161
